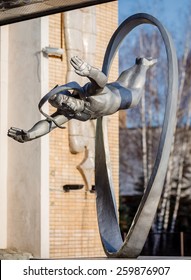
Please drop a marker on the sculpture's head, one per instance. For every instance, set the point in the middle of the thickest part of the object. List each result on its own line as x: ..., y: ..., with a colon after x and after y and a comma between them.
x: 57, y: 99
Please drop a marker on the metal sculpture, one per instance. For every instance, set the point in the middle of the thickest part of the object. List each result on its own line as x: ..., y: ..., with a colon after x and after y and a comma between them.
x: 112, y: 241
x: 97, y: 99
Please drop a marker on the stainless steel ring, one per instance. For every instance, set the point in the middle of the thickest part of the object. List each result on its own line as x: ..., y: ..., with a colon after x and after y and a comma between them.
x: 107, y: 212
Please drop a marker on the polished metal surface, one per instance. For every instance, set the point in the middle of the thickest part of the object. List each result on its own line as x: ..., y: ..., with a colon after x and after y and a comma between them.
x: 59, y: 89
x: 109, y: 229
x: 95, y: 99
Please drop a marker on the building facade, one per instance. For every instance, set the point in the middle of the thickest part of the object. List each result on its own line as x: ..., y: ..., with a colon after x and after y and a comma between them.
x: 37, y: 214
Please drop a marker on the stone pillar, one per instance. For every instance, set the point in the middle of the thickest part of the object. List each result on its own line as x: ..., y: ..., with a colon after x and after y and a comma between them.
x: 4, y: 45
x: 28, y: 163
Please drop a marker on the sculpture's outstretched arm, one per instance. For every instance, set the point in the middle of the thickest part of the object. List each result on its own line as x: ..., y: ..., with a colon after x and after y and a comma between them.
x: 98, y: 79
x: 39, y: 129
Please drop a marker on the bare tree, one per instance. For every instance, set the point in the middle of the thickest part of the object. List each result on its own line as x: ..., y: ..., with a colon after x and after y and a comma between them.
x: 164, y: 213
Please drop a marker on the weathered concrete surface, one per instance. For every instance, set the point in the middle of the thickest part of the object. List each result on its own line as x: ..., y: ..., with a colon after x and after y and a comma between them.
x: 13, y: 254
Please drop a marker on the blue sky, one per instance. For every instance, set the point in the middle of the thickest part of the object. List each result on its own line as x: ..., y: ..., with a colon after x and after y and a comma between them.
x: 162, y: 9
x: 173, y: 14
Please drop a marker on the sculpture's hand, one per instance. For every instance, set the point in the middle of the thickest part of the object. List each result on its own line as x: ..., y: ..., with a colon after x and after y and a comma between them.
x: 81, y: 67
x: 18, y: 134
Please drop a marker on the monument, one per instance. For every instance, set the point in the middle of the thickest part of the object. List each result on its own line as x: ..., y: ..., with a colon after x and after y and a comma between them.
x: 97, y: 99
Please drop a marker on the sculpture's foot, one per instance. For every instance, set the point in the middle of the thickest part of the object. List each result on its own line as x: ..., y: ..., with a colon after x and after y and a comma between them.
x: 146, y: 61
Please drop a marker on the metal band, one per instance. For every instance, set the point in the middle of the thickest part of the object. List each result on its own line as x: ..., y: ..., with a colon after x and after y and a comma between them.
x: 106, y: 206
x: 126, y: 99
x: 59, y: 90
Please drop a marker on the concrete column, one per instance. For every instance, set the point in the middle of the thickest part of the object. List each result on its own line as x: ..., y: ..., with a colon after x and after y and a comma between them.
x: 4, y: 44
x: 44, y: 147
x: 28, y: 164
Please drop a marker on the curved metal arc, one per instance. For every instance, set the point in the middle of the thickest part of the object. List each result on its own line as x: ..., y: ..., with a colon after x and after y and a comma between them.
x: 106, y: 205
x: 141, y: 225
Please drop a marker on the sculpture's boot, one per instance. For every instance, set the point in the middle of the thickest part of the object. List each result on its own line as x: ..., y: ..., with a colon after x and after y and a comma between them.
x: 135, y: 76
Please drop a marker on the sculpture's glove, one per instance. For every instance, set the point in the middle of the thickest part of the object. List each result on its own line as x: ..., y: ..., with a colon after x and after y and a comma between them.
x: 18, y: 134
x: 81, y: 67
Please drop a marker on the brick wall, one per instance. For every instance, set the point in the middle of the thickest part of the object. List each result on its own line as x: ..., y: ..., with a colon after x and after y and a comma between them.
x: 73, y: 222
